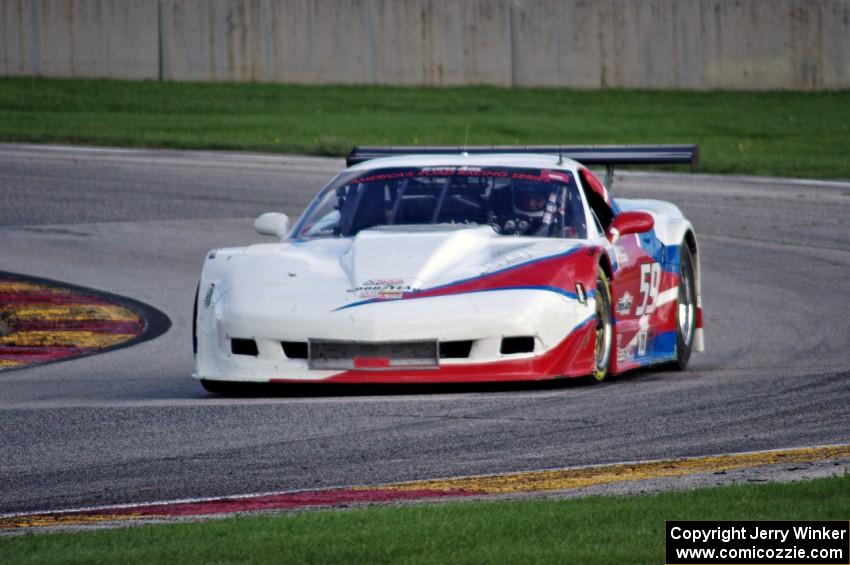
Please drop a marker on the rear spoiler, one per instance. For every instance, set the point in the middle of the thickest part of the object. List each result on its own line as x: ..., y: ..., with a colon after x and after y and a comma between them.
x: 606, y: 155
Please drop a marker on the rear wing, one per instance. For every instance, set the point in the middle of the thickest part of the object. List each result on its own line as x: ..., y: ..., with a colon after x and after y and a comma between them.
x: 607, y: 155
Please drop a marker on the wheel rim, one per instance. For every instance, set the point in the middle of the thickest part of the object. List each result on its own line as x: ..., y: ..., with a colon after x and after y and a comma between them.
x: 686, y: 314
x: 603, y: 328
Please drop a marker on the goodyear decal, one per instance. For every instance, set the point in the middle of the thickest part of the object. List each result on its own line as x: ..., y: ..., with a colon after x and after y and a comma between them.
x: 43, y: 321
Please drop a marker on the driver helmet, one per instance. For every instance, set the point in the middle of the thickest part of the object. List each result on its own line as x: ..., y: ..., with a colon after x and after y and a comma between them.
x: 529, y: 200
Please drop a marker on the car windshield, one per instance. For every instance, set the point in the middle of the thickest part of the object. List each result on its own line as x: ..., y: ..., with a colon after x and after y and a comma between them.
x: 514, y: 201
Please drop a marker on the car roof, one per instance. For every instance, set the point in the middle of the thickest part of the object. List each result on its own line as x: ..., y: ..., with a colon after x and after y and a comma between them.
x: 525, y: 160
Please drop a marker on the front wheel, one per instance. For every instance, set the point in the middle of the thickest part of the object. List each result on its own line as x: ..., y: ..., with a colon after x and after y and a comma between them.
x: 195, y: 322
x: 604, y: 329
x: 686, y: 310
x: 232, y: 388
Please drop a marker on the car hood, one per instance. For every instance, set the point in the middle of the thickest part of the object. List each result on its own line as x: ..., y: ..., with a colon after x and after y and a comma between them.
x: 378, y: 263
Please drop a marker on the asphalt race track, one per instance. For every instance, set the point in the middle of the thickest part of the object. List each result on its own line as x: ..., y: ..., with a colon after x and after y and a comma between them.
x: 131, y: 425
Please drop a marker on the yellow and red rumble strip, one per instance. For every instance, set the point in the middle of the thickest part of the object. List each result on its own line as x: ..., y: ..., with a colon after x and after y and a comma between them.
x: 43, y: 321
x: 510, y: 483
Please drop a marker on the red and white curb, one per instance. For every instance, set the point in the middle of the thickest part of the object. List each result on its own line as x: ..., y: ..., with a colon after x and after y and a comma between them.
x: 552, y: 480
x: 43, y: 321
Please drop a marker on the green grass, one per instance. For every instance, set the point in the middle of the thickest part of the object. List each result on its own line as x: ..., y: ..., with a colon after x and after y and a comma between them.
x: 590, y: 530
x: 774, y: 133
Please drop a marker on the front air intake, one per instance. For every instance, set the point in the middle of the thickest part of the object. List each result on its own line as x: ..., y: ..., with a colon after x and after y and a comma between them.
x: 239, y: 346
x: 295, y: 349
x: 382, y: 355
x: 455, y: 349
x: 517, y: 344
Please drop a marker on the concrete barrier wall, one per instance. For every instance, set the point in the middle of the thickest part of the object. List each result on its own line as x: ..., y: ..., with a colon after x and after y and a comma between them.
x: 82, y: 38
x: 694, y: 44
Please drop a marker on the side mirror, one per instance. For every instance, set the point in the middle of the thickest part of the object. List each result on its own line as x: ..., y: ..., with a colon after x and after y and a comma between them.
x: 630, y: 222
x: 272, y: 223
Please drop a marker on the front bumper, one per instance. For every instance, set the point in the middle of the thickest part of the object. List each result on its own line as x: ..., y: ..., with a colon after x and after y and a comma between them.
x: 561, y: 327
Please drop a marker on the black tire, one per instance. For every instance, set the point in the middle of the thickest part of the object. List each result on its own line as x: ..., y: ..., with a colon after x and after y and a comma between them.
x: 195, y: 322
x: 604, y: 329
x: 231, y: 388
x: 686, y: 311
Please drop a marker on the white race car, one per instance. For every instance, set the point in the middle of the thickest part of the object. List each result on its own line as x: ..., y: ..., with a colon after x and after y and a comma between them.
x: 441, y: 265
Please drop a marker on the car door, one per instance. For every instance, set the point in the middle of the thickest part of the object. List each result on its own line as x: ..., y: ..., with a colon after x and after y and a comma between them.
x: 635, y: 288
x: 636, y: 278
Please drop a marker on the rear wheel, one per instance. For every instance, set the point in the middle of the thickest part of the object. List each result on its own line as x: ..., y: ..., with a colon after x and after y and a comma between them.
x: 604, y: 328
x: 686, y: 310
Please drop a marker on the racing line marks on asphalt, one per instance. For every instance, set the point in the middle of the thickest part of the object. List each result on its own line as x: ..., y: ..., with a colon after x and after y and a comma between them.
x: 552, y: 480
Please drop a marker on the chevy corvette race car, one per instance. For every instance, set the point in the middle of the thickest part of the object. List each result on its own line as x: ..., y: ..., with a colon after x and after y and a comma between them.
x: 457, y: 265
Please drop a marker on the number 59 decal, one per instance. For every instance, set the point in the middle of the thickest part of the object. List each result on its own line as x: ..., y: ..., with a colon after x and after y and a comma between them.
x: 650, y: 280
